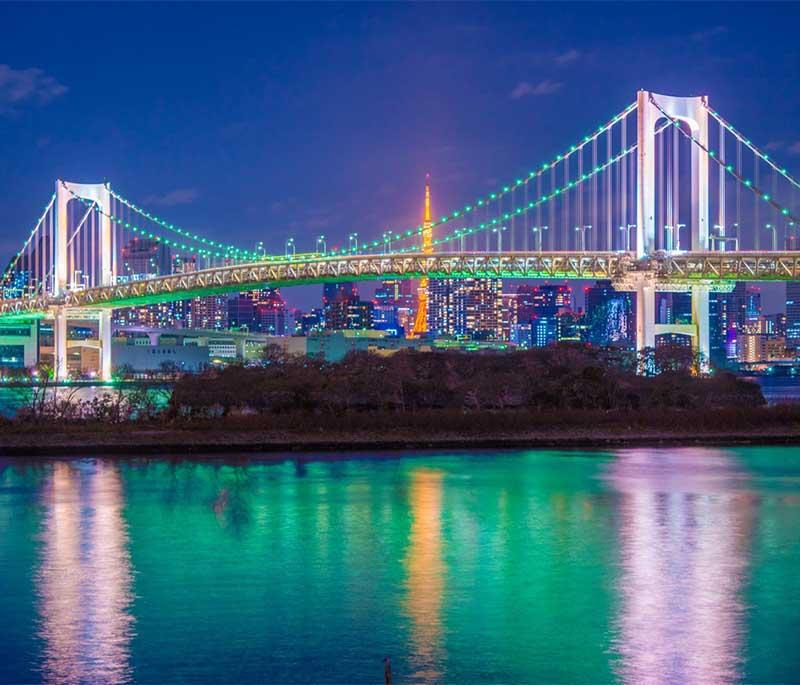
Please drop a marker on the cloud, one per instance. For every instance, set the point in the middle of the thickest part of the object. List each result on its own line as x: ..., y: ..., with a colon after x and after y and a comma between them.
x: 19, y: 87
x: 179, y: 196
x: 546, y: 87
x: 794, y: 148
x: 568, y: 57
x: 711, y: 32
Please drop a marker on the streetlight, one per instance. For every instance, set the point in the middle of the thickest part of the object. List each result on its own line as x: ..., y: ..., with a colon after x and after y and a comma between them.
x: 322, y: 244
x: 721, y: 239
x: 387, y: 241
x: 538, y: 234
x: 290, y: 249
x: 789, y: 238
x: 352, y: 243
x: 260, y: 248
x: 678, y: 228
x: 774, y: 230
x: 461, y: 233
x: 499, y: 230
x: 668, y: 230
x: 582, y: 231
x: 626, y: 231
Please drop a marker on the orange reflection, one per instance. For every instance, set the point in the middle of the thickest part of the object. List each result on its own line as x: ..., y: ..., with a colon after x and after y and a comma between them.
x: 425, y: 574
x: 684, y: 534
x: 84, y: 580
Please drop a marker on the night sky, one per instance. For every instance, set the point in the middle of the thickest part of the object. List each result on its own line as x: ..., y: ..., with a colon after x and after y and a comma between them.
x: 257, y: 122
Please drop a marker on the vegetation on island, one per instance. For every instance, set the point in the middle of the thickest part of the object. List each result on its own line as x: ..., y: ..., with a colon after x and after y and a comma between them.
x: 558, y: 394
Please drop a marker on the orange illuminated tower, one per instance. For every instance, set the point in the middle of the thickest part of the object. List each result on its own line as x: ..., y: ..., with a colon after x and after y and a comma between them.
x: 421, y: 321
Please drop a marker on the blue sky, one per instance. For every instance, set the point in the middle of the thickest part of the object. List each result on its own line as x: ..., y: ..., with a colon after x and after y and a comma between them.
x: 254, y: 122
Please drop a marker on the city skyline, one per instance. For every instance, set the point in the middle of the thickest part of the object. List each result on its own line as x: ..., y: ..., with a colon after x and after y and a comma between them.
x: 288, y: 155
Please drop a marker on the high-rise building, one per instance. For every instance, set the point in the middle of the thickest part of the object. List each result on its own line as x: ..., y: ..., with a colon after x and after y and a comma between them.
x: 610, y: 316
x: 793, y: 315
x: 210, y: 312
x: 508, y: 315
x: 470, y: 307
x: 538, y: 300
x: 143, y: 257
x: 674, y: 308
x: 270, y: 312
x: 393, y: 302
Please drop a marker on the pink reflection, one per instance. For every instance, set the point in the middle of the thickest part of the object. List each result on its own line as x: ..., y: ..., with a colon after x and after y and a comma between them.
x: 84, y: 581
x: 684, y: 537
x: 425, y: 579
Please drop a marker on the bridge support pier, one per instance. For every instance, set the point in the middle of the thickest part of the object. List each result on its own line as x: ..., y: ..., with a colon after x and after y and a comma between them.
x: 104, y: 333
x: 60, y: 344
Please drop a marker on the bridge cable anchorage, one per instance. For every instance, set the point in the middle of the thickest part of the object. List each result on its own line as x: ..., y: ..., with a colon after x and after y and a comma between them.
x: 728, y: 167
x: 753, y: 148
x: 249, y: 254
x: 487, y: 226
x: 507, y: 189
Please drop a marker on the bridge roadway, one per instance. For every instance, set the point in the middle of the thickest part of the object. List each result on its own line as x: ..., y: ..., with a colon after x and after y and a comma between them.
x: 663, y: 271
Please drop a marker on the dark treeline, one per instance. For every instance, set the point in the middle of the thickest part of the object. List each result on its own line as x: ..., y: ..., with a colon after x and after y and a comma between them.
x: 552, y: 379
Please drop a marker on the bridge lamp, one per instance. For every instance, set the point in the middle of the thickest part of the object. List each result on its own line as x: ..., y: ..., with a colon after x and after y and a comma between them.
x: 626, y: 237
x: 387, y: 241
x: 774, y: 230
x: 290, y: 248
x: 352, y: 242
x: 322, y: 246
x: 678, y: 228
x: 260, y: 247
x: 668, y: 234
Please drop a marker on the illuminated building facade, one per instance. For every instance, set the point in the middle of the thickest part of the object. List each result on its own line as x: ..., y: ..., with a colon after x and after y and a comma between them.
x: 143, y: 257
x: 610, y: 316
x: 793, y: 315
x: 470, y: 307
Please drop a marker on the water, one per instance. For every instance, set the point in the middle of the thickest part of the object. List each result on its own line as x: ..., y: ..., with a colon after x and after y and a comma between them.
x: 677, y: 566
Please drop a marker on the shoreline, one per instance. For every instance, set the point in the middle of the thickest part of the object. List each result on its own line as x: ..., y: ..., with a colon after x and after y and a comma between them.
x: 193, y: 442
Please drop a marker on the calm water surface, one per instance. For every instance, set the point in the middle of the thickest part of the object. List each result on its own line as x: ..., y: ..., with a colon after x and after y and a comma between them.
x: 678, y: 566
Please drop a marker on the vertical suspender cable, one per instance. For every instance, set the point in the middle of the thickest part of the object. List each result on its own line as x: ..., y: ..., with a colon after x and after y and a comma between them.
x: 595, y: 223
x: 739, y: 188
x: 721, y: 213
x: 526, y: 222
x: 676, y: 178
x: 757, y: 212
x: 623, y: 178
x: 609, y: 207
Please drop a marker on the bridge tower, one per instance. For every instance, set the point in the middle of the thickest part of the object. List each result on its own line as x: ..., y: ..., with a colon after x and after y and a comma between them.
x: 651, y: 108
x: 421, y: 319
x: 100, y: 194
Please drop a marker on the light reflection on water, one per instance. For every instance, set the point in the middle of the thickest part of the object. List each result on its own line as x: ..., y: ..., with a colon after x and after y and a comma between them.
x: 674, y: 566
x: 684, y: 534
x: 84, y: 577
x: 425, y: 575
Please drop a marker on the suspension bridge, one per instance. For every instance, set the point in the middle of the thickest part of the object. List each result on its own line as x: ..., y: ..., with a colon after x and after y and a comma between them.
x: 664, y: 196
